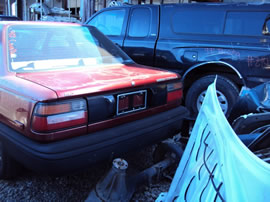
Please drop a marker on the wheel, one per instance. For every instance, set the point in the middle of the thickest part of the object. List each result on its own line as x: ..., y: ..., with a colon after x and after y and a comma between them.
x: 227, y: 94
x: 8, y: 167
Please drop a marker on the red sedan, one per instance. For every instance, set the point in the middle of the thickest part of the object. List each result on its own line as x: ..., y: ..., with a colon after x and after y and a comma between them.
x: 70, y: 98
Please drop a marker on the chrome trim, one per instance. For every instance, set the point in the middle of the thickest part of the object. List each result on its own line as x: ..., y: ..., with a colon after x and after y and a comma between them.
x: 213, y: 62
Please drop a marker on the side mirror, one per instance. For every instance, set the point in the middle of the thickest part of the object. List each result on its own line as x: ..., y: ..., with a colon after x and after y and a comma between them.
x: 266, y: 27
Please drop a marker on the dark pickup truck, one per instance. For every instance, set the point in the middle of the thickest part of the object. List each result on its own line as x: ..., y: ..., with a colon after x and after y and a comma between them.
x: 199, y: 41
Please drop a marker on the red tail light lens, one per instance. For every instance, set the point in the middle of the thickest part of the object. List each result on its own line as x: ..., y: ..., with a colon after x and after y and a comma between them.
x: 123, y: 103
x: 59, y: 115
x: 174, y: 92
x: 138, y: 100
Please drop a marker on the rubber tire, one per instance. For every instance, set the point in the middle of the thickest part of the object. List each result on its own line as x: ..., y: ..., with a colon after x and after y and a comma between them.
x: 224, y: 85
x: 9, y: 168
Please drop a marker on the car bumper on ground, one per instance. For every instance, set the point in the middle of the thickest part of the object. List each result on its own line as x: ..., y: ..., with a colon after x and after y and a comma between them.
x: 76, y: 153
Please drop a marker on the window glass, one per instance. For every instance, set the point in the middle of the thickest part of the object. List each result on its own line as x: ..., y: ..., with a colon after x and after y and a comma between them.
x: 57, y: 47
x: 197, y: 22
x: 109, y: 22
x: 245, y: 23
x: 140, y: 23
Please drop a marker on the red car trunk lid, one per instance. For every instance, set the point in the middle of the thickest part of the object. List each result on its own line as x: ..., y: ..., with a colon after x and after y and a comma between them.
x: 96, y: 79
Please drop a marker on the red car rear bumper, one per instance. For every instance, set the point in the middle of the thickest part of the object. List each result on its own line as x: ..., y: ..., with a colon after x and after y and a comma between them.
x: 76, y: 153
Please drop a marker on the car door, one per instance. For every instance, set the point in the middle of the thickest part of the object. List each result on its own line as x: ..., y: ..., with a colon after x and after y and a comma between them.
x: 111, y: 22
x: 142, y: 33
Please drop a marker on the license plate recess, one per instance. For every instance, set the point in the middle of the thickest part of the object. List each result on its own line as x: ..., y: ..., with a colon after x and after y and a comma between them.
x: 131, y: 102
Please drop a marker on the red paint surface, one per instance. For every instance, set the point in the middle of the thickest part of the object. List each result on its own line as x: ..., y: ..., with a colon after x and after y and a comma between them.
x: 96, y: 79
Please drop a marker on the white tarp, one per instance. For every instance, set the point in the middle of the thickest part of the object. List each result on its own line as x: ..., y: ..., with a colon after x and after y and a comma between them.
x: 216, y: 165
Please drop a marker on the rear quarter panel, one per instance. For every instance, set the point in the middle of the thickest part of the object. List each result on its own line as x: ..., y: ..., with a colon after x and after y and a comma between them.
x: 17, y: 100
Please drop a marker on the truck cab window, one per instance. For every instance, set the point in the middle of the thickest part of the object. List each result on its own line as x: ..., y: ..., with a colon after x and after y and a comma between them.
x: 109, y: 22
x: 140, y: 23
x: 245, y: 23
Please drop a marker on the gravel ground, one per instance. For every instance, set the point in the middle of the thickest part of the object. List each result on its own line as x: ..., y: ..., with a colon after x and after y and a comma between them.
x: 34, y: 187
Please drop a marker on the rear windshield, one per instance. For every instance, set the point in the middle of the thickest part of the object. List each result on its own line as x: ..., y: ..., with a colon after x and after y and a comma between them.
x: 43, y: 48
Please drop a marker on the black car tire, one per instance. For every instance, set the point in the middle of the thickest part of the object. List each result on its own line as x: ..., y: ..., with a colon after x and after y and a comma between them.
x: 8, y: 166
x: 226, y: 88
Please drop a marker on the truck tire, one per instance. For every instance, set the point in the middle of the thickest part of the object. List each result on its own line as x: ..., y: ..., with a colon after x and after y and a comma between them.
x: 227, y: 94
x: 8, y: 166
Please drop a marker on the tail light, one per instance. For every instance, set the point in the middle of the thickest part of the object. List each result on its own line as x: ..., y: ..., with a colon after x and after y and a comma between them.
x: 174, y: 92
x: 59, y: 115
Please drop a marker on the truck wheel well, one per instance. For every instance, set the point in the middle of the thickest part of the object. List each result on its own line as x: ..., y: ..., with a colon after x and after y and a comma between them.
x: 213, y: 69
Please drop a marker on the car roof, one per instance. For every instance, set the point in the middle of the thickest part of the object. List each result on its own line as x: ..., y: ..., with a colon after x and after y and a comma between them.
x: 226, y: 6
x: 37, y: 23
x: 234, y: 6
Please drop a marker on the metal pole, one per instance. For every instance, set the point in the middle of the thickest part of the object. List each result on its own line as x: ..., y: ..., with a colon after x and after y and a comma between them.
x: 8, y: 7
x: 40, y: 9
x: 76, y: 12
x: 92, y: 8
x: 25, y: 11
x: 69, y: 9
x: 16, y: 8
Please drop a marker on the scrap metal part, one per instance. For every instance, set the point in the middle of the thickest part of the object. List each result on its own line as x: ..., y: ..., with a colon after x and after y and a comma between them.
x: 254, y: 100
x: 113, y: 187
x: 216, y: 165
x: 116, y: 185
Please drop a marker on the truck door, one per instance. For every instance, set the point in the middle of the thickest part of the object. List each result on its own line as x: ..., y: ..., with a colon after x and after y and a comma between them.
x: 112, y: 22
x: 142, y: 33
